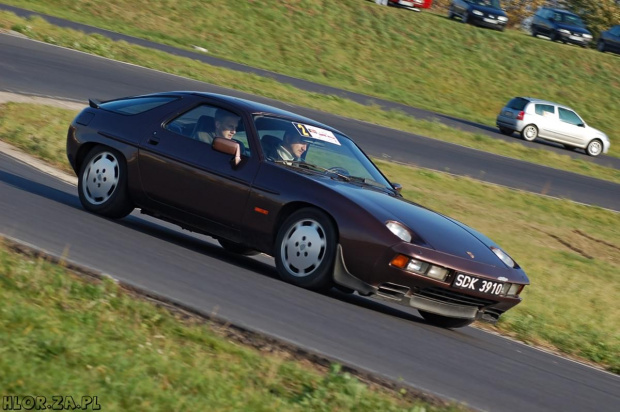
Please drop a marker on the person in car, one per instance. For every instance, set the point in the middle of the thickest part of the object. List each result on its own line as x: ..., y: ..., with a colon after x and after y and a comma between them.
x: 225, y: 124
x: 292, y: 147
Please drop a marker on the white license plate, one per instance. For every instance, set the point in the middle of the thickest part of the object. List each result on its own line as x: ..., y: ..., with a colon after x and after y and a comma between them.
x: 490, y: 20
x: 473, y: 283
x: 508, y: 113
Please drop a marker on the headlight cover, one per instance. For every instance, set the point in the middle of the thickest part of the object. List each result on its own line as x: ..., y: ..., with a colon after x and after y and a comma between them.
x: 503, y: 256
x: 502, y: 18
x: 399, y: 230
x: 478, y: 13
x: 564, y: 31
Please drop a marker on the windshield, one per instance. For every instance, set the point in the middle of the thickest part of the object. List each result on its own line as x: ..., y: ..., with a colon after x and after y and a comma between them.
x: 570, y: 19
x: 308, y: 147
x: 488, y: 3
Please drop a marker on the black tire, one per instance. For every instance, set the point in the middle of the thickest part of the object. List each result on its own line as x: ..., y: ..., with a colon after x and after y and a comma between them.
x: 237, y: 248
x: 465, y: 17
x: 102, y: 183
x: 554, y: 36
x: 534, y: 32
x: 600, y: 46
x: 450, y: 14
x: 505, y: 131
x: 529, y: 133
x: 594, y: 148
x: 305, y: 250
x: 444, y: 321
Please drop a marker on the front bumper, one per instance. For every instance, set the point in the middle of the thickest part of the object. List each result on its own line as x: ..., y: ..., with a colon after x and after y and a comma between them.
x: 577, y: 39
x: 420, y: 292
x: 486, y: 21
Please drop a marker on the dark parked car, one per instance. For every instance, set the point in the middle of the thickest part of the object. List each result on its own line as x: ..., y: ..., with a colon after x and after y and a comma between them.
x: 560, y: 25
x: 487, y: 13
x: 610, y: 40
x: 329, y: 217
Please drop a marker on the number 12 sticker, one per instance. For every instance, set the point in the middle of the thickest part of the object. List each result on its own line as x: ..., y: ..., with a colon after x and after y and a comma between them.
x: 316, y: 133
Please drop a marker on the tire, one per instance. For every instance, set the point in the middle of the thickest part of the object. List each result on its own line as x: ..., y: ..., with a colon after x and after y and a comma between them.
x: 600, y: 46
x: 450, y: 14
x: 444, y: 321
x: 594, y: 148
x: 554, y: 37
x: 529, y: 133
x: 534, y: 32
x: 505, y: 131
x: 237, y: 248
x: 102, y: 183
x: 465, y: 18
x: 305, y: 249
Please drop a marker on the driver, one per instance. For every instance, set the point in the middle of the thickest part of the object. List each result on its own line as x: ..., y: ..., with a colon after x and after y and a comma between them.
x: 292, y: 146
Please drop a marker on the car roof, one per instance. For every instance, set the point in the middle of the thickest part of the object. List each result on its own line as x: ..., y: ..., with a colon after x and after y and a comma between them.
x: 252, y: 107
x: 536, y: 100
x: 559, y: 10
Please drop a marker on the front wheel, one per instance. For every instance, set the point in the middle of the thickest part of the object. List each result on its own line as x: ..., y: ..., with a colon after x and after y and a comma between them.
x: 529, y: 133
x: 465, y: 18
x: 600, y: 46
x: 102, y: 183
x: 305, y: 249
x: 444, y: 321
x: 594, y: 148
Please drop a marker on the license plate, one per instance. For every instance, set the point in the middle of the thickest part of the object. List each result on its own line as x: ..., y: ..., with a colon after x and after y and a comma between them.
x: 490, y: 21
x: 508, y: 113
x: 576, y: 38
x: 473, y: 283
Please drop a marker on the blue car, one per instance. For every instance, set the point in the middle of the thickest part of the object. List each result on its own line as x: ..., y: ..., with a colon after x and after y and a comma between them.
x: 560, y: 25
x: 486, y: 13
x: 610, y: 40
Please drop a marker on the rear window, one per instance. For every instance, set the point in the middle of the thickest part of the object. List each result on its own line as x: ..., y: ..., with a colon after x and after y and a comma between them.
x: 136, y: 105
x: 518, y: 103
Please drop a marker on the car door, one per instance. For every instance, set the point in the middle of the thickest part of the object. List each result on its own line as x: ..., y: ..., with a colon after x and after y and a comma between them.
x: 189, y: 181
x: 571, y: 128
x: 546, y: 120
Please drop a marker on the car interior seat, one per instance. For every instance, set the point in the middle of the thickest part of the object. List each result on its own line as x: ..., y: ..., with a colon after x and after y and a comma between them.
x: 270, y: 143
x: 204, y: 129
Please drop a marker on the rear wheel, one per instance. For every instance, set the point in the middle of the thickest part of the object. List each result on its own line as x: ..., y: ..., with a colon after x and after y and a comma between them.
x: 102, y: 183
x: 594, y: 148
x: 444, y: 321
x: 305, y: 249
x: 529, y: 133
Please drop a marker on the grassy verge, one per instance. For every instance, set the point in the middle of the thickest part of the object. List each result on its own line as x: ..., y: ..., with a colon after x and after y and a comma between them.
x: 39, y: 29
x: 62, y: 334
x: 419, y: 59
x: 571, y: 252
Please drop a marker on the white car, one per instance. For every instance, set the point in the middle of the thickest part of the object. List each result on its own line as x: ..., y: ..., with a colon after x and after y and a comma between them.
x: 534, y: 118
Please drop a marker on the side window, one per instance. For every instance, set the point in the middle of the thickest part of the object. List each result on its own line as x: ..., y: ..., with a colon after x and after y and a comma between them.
x: 544, y: 109
x: 205, y: 122
x: 569, y: 116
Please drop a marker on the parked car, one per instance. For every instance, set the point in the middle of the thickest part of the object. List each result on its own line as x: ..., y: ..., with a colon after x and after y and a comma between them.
x: 414, y: 5
x: 487, y: 13
x: 560, y: 25
x: 329, y: 217
x: 534, y: 118
x: 610, y: 40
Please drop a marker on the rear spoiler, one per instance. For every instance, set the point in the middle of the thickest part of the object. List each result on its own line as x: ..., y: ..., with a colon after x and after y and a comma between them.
x: 94, y: 103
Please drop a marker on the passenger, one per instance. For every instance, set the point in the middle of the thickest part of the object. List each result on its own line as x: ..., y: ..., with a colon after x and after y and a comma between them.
x: 292, y: 147
x: 226, y: 124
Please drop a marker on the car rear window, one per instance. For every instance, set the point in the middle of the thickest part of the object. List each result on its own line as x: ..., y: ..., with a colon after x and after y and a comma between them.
x: 136, y: 105
x: 518, y: 103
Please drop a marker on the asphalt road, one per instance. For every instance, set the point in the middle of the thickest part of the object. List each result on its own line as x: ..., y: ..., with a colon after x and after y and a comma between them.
x: 30, y: 67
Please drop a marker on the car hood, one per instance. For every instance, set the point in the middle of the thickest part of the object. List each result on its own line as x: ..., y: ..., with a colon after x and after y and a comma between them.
x: 595, y: 132
x: 430, y: 229
x: 489, y: 10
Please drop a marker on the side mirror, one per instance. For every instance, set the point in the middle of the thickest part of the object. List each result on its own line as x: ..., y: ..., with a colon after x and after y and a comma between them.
x: 397, y: 186
x: 229, y: 147
x: 581, y: 125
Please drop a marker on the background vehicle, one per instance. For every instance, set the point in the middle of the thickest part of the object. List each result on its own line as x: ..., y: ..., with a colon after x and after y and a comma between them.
x: 560, y: 25
x: 487, y: 13
x: 610, y: 40
x: 329, y: 218
x: 415, y: 5
x: 534, y: 118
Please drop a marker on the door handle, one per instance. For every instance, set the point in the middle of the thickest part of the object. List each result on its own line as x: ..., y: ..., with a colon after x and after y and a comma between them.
x: 154, y: 140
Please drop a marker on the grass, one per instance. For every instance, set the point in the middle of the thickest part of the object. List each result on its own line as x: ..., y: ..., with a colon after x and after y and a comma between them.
x: 39, y: 29
x: 64, y: 334
x: 419, y: 59
x: 571, y: 252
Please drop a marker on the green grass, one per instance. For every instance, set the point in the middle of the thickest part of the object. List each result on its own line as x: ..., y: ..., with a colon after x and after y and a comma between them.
x: 419, y: 59
x: 38, y: 29
x: 62, y: 334
x: 570, y: 252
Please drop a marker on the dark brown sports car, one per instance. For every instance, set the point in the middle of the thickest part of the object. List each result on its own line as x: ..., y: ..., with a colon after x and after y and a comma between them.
x: 260, y: 179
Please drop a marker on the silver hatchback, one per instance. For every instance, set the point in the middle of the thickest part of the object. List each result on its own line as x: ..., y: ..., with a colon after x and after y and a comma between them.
x: 534, y: 118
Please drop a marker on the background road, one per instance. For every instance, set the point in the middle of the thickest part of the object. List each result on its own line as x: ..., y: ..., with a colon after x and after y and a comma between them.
x: 30, y: 67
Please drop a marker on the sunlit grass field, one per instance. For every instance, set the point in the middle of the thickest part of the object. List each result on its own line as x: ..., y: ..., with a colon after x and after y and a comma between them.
x: 419, y: 59
x: 571, y: 252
